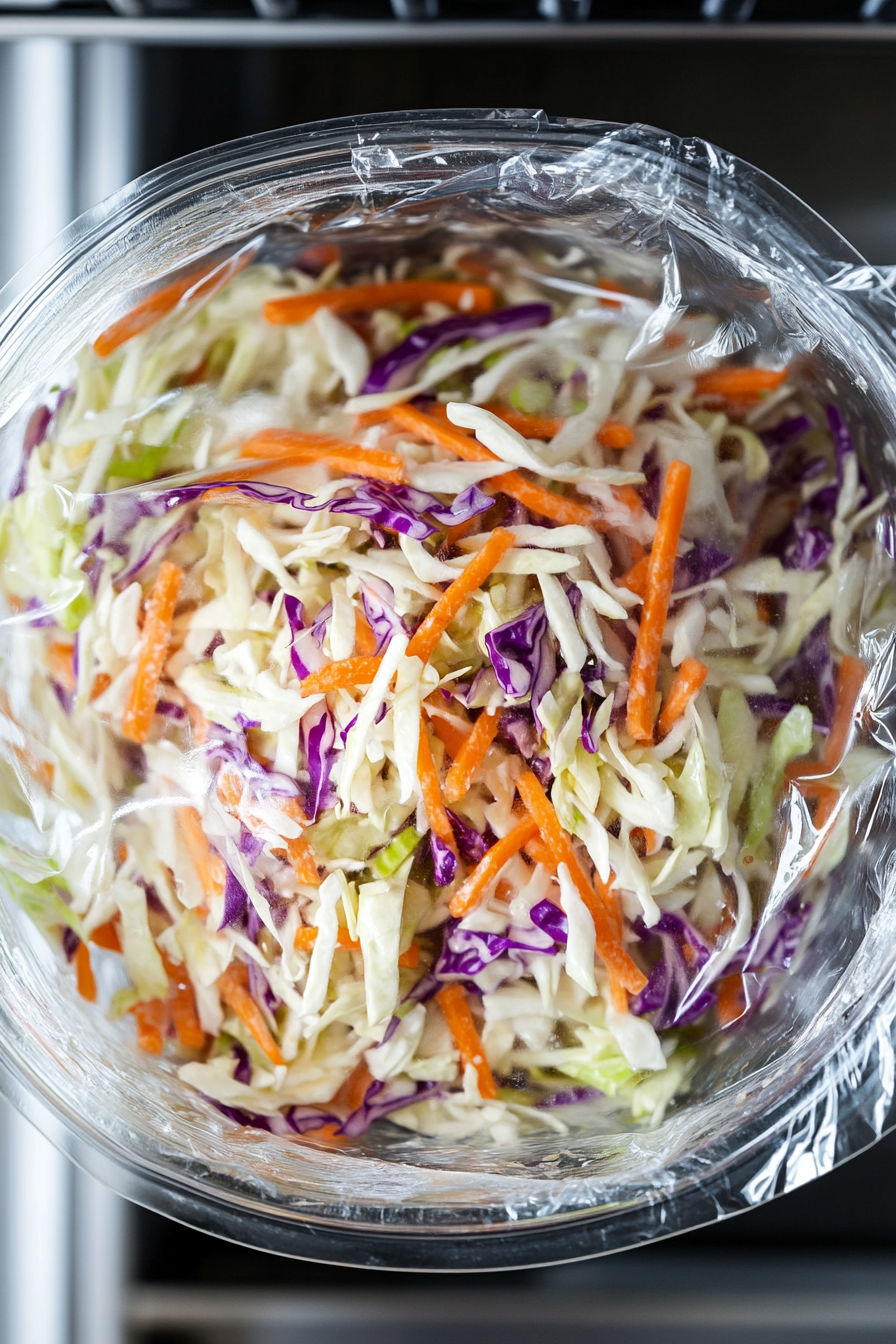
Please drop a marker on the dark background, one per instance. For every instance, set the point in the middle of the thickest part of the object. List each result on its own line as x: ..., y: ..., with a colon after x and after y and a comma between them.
x: 819, y: 117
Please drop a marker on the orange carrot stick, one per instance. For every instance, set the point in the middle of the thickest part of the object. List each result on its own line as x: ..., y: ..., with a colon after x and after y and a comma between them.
x: 470, y: 893
x: 138, y: 715
x: 530, y: 426
x: 199, y: 284
x: 84, y: 973
x: 106, y: 936
x: 730, y: 1002
x: 434, y: 625
x: 233, y: 989
x: 623, y: 971
x: 182, y: 1005
x: 456, y: 1012
x: 448, y: 733
x: 298, y: 849
x: 61, y: 664
x: 365, y: 639
x: 614, y: 434
x: 306, y: 937
x: 850, y: 679
x: 739, y: 382
x: 635, y: 579
x: 410, y: 957
x: 341, y: 675
x: 538, y: 852
x: 431, y: 790
x: 353, y: 1091
x: 467, y: 761
x: 293, y: 448
x: 469, y: 298
x: 543, y: 502
x: 688, y: 680
x: 152, y: 1025
x: 660, y: 576
x: 209, y: 867
x: 534, y: 497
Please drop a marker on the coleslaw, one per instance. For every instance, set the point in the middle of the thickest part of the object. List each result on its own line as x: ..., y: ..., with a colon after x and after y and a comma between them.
x: 439, y: 686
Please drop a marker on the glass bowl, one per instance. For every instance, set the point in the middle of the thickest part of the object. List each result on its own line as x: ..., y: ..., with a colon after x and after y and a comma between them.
x: 809, y: 1082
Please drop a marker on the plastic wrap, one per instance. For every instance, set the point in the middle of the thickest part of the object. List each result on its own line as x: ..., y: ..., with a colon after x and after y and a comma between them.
x: 809, y: 1079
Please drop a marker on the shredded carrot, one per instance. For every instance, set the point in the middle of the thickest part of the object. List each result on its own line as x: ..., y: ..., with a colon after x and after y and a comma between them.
x: 739, y: 382
x: 850, y: 679
x: 366, y: 419
x: 353, y: 1091
x: 453, y: 534
x: 84, y: 974
x: 106, y: 936
x: 410, y: 958
x: 535, y: 497
x: 321, y: 255
x: 149, y: 311
x: 635, y: 579
x: 61, y: 665
x: 101, y: 682
x: 298, y: 849
x: 306, y: 937
x: 152, y: 1025
x: 539, y: 852
x: 624, y: 974
x: 614, y: 434
x: 828, y: 805
x: 643, y: 840
x: 449, y: 734
x: 688, y: 680
x: 341, y: 676
x: 471, y: 892
x: 138, y: 715
x: 628, y: 495
x: 530, y: 426
x: 660, y: 576
x: 731, y: 1000
x: 198, y: 723
x: 362, y: 298
x: 434, y: 625
x: 233, y: 989
x: 431, y: 791
x: 467, y: 761
x: 288, y: 447
x: 182, y: 1005
x: 365, y: 639
x: 229, y: 789
x: 456, y: 1011
x: 209, y: 867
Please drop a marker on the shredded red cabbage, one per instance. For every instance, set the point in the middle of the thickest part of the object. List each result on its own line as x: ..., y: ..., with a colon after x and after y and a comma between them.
x: 395, y: 369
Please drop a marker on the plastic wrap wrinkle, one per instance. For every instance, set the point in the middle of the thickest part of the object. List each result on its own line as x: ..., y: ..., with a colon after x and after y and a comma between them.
x: 762, y: 1117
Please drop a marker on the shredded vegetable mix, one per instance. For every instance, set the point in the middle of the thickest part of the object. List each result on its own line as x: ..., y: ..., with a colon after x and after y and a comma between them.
x: 432, y: 681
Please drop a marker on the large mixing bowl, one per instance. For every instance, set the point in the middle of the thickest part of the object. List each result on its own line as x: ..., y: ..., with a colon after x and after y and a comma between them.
x: 808, y: 1080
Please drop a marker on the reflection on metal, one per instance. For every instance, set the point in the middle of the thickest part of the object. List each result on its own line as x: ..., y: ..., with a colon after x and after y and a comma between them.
x: 353, y: 1314
x: 100, y: 1228
x: 68, y: 134
x: 37, y: 1190
x: 40, y: 126
x: 565, y: 11
x: 415, y: 11
x: 727, y: 11
x: 109, y: 95
x: 312, y: 32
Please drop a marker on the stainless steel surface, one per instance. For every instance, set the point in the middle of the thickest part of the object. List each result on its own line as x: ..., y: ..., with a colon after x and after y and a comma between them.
x: 313, y: 32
